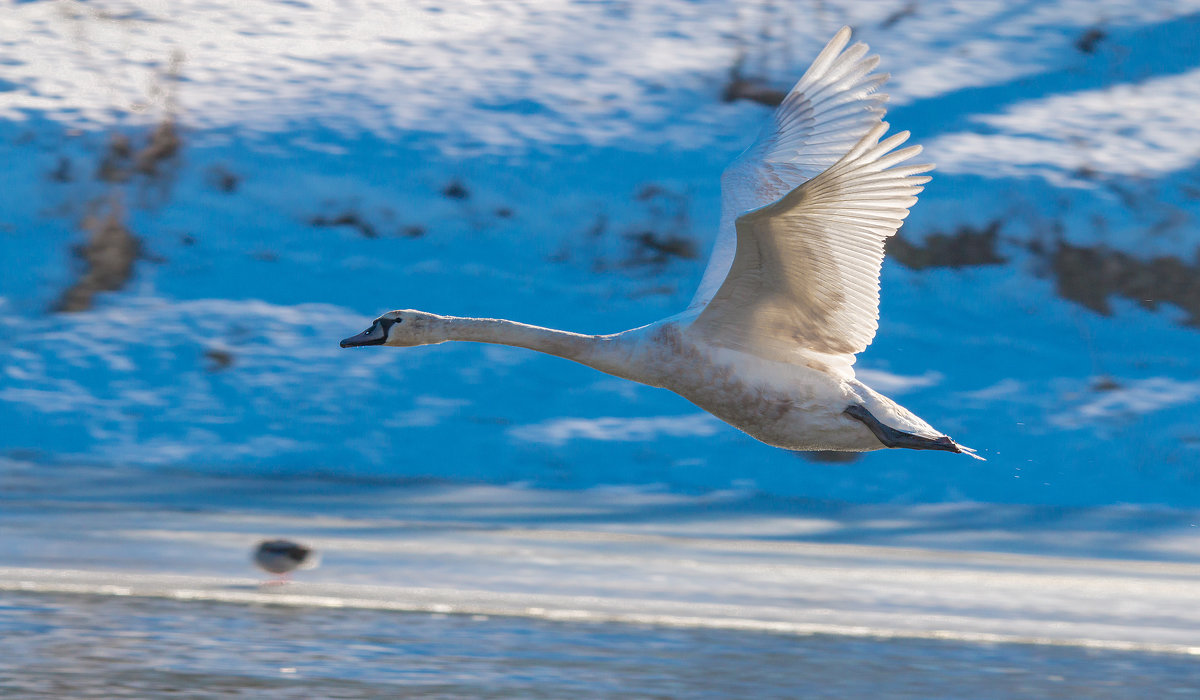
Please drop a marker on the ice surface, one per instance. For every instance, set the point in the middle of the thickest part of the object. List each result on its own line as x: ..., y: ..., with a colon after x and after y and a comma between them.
x: 1117, y: 579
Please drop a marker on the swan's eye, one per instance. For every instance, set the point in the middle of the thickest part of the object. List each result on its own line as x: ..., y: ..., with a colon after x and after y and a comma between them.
x: 399, y: 320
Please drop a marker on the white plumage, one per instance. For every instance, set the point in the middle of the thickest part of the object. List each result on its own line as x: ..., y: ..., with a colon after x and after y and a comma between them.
x: 830, y: 109
x: 791, y: 292
x: 805, y: 274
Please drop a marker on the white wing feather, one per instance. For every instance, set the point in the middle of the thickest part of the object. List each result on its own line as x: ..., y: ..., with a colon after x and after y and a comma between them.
x: 829, y: 110
x: 804, y: 282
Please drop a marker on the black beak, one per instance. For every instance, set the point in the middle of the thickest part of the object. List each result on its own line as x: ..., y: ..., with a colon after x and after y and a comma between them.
x: 375, y: 335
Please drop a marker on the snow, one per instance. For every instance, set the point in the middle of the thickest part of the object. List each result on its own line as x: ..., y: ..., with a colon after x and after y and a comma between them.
x: 561, y: 430
x: 1132, y: 130
x: 573, y: 127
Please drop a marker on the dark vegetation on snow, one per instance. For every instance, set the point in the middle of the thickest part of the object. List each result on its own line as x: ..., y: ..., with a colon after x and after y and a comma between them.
x: 223, y: 179
x: 108, y: 257
x: 1092, y: 275
x: 347, y: 218
x: 218, y: 359
x: 666, y: 232
x: 456, y: 190
x: 123, y: 158
x: 966, y: 247
x: 1088, y: 40
x: 111, y: 249
x: 652, y: 248
x: 741, y: 87
x: 907, y: 10
x: 147, y: 161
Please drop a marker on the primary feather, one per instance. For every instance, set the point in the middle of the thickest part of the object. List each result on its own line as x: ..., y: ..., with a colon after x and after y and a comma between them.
x: 830, y: 109
x: 805, y: 275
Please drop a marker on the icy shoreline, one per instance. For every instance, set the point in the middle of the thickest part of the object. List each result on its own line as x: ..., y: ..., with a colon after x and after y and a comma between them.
x: 975, y: 573
x: 1084, y: 631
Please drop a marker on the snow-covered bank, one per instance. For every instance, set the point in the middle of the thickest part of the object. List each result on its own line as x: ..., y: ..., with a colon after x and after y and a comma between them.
x: 514, y: 161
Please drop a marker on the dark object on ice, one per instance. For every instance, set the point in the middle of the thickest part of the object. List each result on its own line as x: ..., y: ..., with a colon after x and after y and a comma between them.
x: 281, y: 557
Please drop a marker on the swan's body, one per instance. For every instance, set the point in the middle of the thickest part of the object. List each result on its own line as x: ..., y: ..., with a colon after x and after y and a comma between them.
x: 791, y: 293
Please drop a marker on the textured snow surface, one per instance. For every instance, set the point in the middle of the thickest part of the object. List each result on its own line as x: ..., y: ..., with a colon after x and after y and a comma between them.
x: 569, y: 130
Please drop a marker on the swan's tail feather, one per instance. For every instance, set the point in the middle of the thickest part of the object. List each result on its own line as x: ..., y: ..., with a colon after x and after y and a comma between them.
x: 891, y: 437
x: 968, y: 451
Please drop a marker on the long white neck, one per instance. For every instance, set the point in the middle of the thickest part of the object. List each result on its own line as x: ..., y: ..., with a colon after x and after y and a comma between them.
x: 606, y: 353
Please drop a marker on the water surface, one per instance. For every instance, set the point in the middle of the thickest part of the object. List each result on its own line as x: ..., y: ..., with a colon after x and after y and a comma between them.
x: 88, y: 646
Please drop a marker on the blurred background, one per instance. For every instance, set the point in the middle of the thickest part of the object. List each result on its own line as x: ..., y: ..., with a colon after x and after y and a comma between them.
x: 200, y: 198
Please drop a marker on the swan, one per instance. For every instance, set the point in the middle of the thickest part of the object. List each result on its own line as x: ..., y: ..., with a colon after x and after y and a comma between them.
x: 791, y: 291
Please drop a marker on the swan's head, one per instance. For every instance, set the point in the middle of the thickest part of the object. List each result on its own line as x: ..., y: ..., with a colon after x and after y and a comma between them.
x: 404, y: 329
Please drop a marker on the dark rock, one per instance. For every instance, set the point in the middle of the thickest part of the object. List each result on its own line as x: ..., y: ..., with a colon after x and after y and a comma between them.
x: 223, y: 179
x: 218, y: 359
x: 456, y: 190
x: 347, y: 218
x: 1088, y: 40
x: 62, y: 171
x: 659, y: 248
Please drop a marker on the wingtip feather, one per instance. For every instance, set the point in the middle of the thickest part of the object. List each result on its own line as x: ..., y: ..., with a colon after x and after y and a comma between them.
x: 866, y: 142
x: 829, y: 54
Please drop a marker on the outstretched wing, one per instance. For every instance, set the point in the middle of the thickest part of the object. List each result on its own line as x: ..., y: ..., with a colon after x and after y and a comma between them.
x: 826, y: 113
x: 805, y: 277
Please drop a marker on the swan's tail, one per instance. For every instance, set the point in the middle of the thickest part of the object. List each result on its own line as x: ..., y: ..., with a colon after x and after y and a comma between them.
x: 964, y: 450
x: 891, y: 437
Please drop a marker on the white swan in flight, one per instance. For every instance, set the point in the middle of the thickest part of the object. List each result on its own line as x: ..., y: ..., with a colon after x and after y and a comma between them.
x: 791, y: 293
